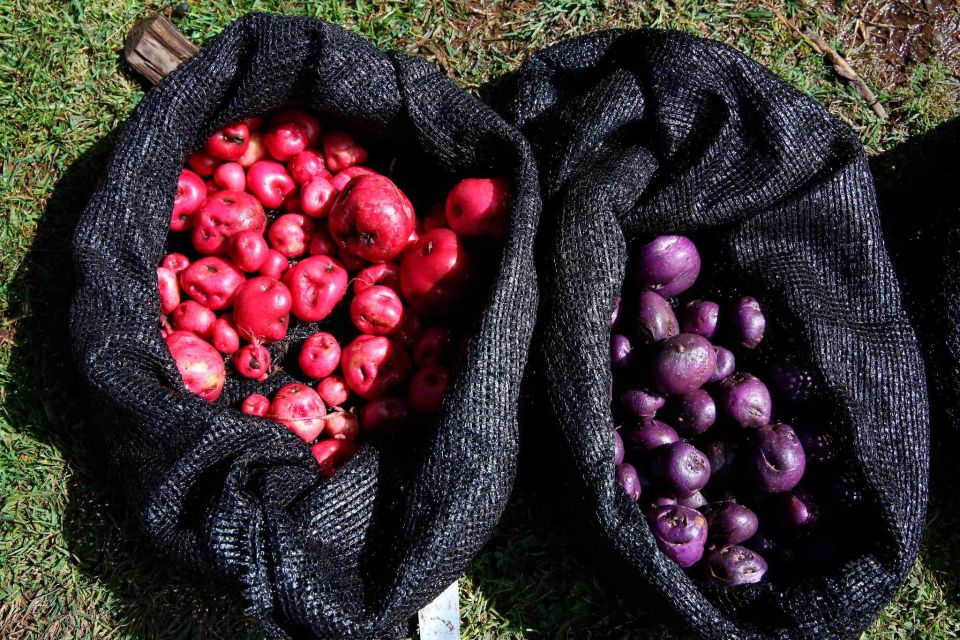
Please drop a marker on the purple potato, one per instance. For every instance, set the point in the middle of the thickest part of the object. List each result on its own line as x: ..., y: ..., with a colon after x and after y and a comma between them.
x: 655, y: 320
x: 661, y: 501
x: 668, y: 265
x: 694, y: 501
x: 797, y: 509
x: 618, y: 451
x: 748, y: 322
x: 627, y: 477
x: 700, y: 317
x: 726, y: 365
x: 819, y: 446
x: 763, y: 543
x: 649, y: 435
x: 793, y: 384
x: 777, y: 458
x: 641, y: 403
x: 680, y: 532
x: 681, y: 468
x: 722, y: 455
x: 745, y: 400
x: 646, y: 484
x: 615, y: 314
x: 845, y: 491
x: 683, y: 363
x: 731, y: 523
x: 693, y: 413
x: 733, y: 565
x: 621, y: 351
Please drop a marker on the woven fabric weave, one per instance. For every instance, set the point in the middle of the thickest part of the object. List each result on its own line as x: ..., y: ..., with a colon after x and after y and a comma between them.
x: 639, y: 133
x: 239, y: 497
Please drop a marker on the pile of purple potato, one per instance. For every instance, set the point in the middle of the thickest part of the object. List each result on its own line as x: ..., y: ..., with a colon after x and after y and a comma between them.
x: 724, y: 486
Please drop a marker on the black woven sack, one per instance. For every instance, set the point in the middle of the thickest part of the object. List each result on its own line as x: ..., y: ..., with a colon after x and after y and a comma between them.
x: 639, y: 133
x: 239, y: 497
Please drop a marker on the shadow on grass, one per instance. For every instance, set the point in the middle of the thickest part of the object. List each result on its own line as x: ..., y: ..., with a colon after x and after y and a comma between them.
x: 918, y: 188
x: 150, y: 598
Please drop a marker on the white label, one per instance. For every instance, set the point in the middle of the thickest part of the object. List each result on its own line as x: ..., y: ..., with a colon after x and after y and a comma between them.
x: 440, y: 620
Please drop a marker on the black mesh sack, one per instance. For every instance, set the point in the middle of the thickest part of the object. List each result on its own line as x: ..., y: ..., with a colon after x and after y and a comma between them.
x: 639, y: 133
x: 237, y: 497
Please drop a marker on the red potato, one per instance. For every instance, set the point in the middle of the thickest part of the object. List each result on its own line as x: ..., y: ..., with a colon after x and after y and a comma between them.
x: 193, y: 317
x: 479, y: 207
x: 274, y: 265
x: 436, y: 217
x: 176, y: 262
x: 333, y: 390
x: 342, y: 425
x: 306, y: 120
x: 384, y: 417
x: 212, y: 282
x: 373, y: 365
x: 290, y: 234
x: 409, y: 331
x: 191, y: 192
x: 331, y: 455
x: 300, y: 409
x: 270, y: 183
x: 224, y: 336
x: 411, y: 242
x: 377, y: 311
x: 200, y: 365
x: 372, y: 218
x: 350, y: 261
x: 169, y: 290
x: 307, y: 165
x: 230, y: 176
x: 343, y: 178
x: 261, y: 310
x: 428, y: 386
x: 317, y: 284
x: 435, y: 346
x: 342, y: 151
x: 254, y: 153
x: 386, y: 274
x: 230, y: 142
x: 321, y: 244
x: 434, y: 273
x: 253, y: 361
x: 319, y: 355
x: 256, y: 404
x: 285, y: 140
x: 202, y: 163
x: 222, y: 215
x: 317, y: 197
x: 248, y: 250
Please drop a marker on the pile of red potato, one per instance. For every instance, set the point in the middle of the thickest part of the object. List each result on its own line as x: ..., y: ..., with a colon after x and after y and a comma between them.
x: 279, y: 217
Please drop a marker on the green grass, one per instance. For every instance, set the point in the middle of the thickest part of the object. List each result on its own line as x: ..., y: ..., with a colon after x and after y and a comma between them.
x: 72, y: 564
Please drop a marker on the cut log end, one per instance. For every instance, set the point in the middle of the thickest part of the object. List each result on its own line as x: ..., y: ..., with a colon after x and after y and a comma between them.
x: 155, y: 47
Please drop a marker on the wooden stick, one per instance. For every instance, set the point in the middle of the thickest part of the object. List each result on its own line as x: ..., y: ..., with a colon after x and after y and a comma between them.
x: 847, y: 73
x: 840, y: 65
x: 155, y: 47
